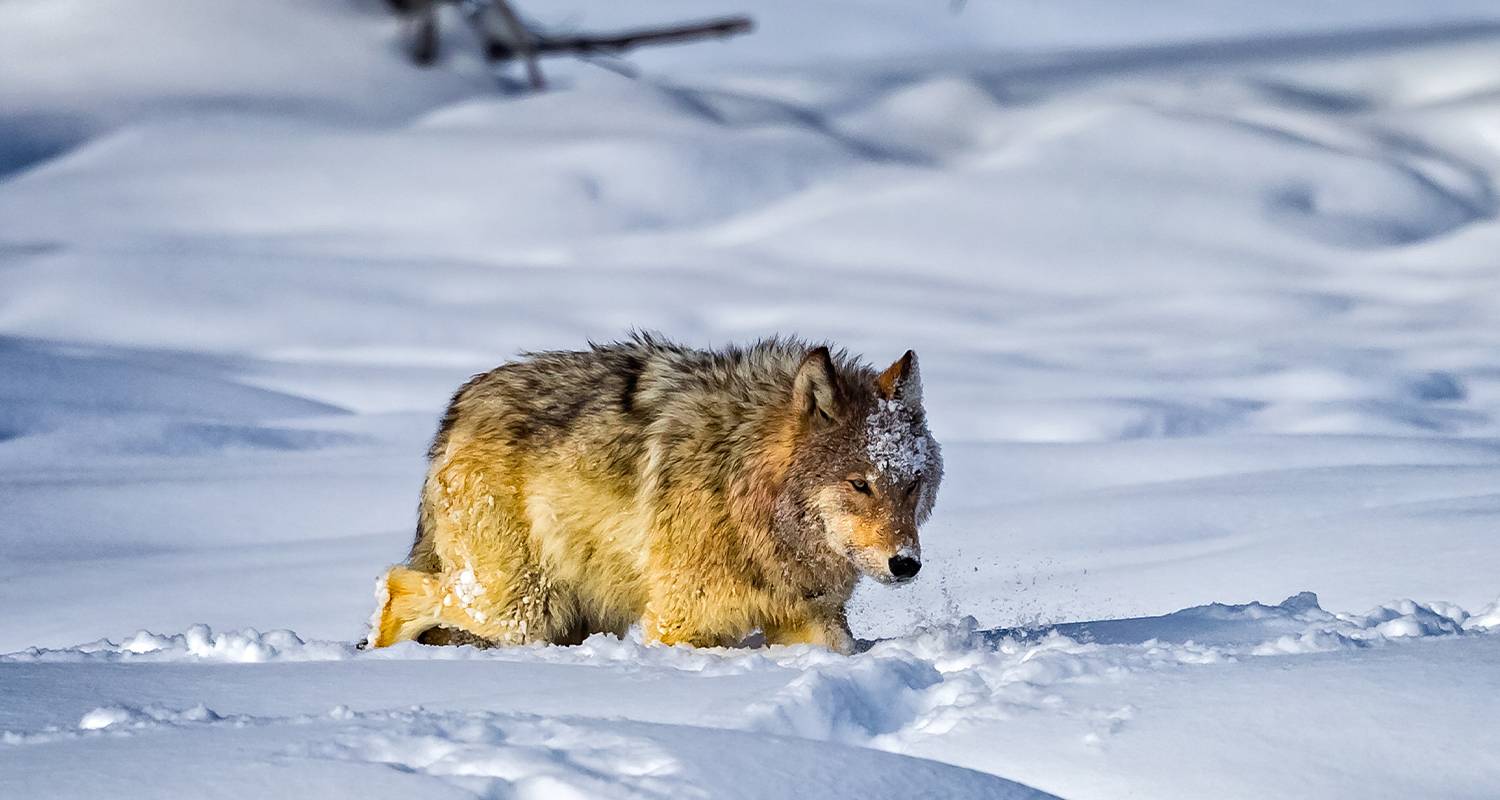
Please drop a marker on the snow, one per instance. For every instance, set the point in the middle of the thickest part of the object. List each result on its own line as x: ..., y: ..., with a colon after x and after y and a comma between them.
x: 900, y: 446
x: 533, y: 717
x: 1204, y: 296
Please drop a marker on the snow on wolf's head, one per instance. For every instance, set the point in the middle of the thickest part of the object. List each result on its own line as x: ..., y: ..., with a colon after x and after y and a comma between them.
x: 868, y: 469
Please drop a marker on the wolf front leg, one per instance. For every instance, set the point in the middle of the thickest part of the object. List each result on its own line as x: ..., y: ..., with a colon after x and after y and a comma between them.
x: 826, y: 628
x: 669, y: 621
x: 694, y: 594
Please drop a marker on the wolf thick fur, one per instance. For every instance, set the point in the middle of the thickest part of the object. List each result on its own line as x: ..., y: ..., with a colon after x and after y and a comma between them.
x: 702, y: 494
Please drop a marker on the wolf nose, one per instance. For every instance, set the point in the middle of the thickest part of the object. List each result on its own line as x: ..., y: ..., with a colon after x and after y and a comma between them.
x: 904, y: 567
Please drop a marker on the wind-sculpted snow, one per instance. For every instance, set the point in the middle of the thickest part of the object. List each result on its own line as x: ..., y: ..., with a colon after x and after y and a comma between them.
x: 903, y: 695
x: 526, y: 756
x: 1487, y: 619
x: 894, y: 685
x: 928, y: 683
x: 1204, y: 296
x: 1228, y: 630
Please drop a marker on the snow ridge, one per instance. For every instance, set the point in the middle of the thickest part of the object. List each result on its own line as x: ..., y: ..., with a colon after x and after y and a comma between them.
x: 924, y: 685
x: 491, y: 754
x: 899, y: 690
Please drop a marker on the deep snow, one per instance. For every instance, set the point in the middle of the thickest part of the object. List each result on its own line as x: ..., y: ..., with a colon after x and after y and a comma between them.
x: 1205, y: 298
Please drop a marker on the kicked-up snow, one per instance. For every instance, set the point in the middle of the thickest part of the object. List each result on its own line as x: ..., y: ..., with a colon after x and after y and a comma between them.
x: 1205, y: 300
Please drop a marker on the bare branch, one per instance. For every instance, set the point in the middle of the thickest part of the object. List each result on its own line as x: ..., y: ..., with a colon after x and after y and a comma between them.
x: 620, y: 42
x: 522, y: 40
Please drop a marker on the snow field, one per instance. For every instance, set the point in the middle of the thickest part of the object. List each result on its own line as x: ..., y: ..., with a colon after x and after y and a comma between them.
x: 1204, y: 297
x: 919, y: 694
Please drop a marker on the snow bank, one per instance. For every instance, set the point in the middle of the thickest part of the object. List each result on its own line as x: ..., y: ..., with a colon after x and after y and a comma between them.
x: 118, y: 716
x: 525, y: 756
x: 903, y: 695
x: 927, y: 684
x: 898, y: 689
x: 548, y: 758
x: 1488, y: 618
x: 198, y: 643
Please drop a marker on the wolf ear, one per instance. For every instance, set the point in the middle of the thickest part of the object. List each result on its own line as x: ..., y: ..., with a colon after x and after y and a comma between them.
x: 901, y: 381
x: 815, y: 392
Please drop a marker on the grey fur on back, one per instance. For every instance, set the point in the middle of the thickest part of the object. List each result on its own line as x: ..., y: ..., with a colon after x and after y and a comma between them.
x: 609, y: 398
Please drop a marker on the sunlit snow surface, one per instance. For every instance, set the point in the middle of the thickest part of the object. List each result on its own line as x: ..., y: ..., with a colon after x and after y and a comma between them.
x: 1205, y: 296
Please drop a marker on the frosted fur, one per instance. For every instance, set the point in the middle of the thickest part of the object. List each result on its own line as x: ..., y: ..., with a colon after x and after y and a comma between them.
x: 467, y: 589
x: 899, y: 445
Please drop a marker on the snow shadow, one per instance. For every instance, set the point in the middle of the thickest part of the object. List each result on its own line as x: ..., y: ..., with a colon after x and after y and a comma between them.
x: 30, y: 139
x: 146, y: 401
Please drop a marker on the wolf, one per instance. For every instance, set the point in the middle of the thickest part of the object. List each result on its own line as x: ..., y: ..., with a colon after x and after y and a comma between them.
x: 704, y: 495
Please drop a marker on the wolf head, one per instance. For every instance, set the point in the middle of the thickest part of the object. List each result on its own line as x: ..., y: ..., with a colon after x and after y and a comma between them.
x: 867, y: 470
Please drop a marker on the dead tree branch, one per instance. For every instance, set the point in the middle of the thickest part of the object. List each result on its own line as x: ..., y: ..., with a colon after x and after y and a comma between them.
x: 506, y: 37
x: 613, y: 44
x: 521, y: 41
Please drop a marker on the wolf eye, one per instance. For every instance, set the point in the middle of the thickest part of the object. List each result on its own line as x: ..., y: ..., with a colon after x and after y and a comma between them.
x: 860, y: 486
